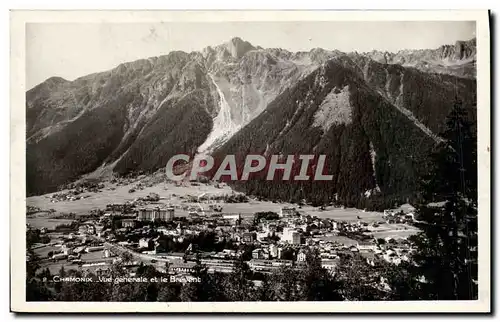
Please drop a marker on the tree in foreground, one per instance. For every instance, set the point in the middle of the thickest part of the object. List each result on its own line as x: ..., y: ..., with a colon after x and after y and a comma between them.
x: 317, y: 283
x: 310, y: 282
x: 445, y: 263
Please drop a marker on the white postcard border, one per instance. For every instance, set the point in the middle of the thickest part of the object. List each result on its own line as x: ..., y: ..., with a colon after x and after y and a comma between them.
x: 18, y: 159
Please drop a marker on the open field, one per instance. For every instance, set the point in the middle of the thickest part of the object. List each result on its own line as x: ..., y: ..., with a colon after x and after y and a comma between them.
x: 43, y: 252
x: 120, y: 194
x: 46, y: 221
x: 169, y: 194
x: 395, y: 233
x: 344, y: 214
x: 246, y: 209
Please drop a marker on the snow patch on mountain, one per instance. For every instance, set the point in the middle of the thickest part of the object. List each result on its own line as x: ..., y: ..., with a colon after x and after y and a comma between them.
x: 335, y: 109
x: 224, y: 126
x: 373, y: 155
x: 398, y: 102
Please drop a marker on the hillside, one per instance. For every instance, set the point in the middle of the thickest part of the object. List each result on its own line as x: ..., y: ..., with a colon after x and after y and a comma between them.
x: 372, y: 147
x: 79, y: 125
x: 136, y: 116
x: 376, y: 119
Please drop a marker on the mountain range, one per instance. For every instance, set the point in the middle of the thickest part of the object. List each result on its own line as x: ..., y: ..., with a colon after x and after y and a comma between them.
x: 376, y: 115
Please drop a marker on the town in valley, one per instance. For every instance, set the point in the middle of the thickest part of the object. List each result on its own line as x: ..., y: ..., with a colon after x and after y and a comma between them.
x: 191, y: 223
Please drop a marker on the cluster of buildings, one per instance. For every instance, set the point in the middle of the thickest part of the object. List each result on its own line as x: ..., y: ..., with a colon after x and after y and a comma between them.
x: 72, y: 247
x: 68, y: 196
x: 76, y: 193
x: 274, y: 242
x: 264, y: 244
x: 405, y: 214
x: 156, y: 214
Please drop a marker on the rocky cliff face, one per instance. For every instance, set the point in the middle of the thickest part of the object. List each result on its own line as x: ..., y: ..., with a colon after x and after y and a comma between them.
x: 458, y: 59
x: 136, y: 116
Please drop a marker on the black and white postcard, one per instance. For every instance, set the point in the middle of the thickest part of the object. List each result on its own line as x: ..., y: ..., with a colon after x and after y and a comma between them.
x: 250, y: 161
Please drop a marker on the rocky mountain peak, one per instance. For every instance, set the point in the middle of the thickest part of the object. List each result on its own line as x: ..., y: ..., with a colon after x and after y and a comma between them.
x: 147, y: 110
x: 237, y: 47
x: 465, y: 49
x: 455, y: 59
x: 56, y: 80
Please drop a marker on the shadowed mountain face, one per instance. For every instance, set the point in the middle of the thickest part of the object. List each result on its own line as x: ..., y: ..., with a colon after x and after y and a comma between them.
x: 375, y: 121
x: 365, y: 119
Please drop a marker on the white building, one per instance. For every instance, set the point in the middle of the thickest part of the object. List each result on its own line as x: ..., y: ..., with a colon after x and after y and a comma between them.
x: 295, y: 238
x: 94, y: 248
x: 273, y: 251
x: 144, y: 242
x: 391, y: 257
x: 280, y: 252
x: 330, y: 265
x: 301, y: 256
x: 232, y: 217
x: 66, y: 250
x: 152, y: 214
x: 367, y: 245
x: 290, y: 235
x: 285, y: 236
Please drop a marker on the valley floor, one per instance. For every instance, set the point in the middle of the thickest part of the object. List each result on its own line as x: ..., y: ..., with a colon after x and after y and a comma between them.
x: 171, y: 194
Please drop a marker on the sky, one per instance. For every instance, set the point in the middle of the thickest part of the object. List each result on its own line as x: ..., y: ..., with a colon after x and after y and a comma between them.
x: 72, y: 50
